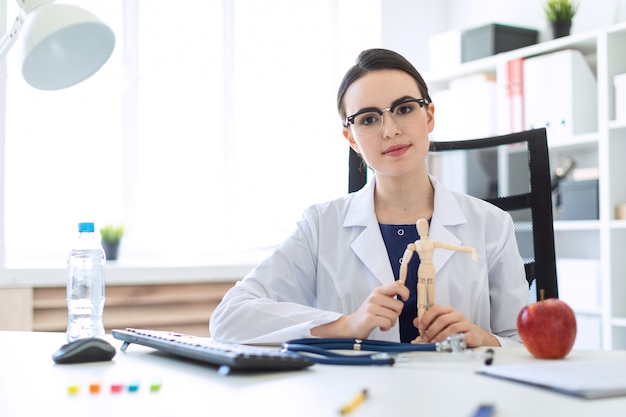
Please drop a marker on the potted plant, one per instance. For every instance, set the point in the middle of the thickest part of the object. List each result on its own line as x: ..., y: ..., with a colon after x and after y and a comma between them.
x: 560, y: 14
x: 111, y: 235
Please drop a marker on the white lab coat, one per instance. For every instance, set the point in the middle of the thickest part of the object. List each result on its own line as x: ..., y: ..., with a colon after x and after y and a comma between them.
x: 336, y: 257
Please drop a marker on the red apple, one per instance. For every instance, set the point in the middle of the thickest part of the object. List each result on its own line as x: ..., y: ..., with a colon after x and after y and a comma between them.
x: 547, y: 328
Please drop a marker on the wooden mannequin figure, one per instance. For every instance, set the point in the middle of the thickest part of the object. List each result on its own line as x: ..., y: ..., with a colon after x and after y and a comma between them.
x: 426, y: 270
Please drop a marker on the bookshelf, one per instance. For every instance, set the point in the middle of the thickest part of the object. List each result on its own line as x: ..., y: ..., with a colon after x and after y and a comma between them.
x: 603, y: 241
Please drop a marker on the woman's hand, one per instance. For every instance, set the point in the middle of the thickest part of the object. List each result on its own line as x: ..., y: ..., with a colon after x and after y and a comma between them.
x: 381, y: 309
x: 441, y: 321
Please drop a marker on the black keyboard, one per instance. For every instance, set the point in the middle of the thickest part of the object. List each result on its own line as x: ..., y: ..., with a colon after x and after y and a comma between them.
x: 228, y: 356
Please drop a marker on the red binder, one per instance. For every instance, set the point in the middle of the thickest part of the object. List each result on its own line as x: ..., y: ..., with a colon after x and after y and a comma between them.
x: 515, y: 91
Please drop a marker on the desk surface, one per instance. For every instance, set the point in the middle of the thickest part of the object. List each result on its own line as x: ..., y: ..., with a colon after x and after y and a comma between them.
x: 426, y: 384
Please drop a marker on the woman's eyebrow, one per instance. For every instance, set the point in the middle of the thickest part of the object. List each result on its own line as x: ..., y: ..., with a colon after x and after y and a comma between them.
x: 402, y: 99
x: 393, y: 104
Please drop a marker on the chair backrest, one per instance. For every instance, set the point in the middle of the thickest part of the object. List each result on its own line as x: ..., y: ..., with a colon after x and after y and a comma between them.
x: 512, y: 172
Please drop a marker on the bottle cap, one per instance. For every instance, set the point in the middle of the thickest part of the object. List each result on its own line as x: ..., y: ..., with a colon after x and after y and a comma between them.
x: 85, y: 227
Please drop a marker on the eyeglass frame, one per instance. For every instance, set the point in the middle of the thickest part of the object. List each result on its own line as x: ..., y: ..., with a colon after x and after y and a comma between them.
x: 420, y: 101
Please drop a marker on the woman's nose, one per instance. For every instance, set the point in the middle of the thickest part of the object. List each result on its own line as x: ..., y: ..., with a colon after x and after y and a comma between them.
x: 389, y: 125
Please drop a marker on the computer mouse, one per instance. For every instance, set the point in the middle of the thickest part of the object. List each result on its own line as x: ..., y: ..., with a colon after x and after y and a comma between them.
x: 91, y: 349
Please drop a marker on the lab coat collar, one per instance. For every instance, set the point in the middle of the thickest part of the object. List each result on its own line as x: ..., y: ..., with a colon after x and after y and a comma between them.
x: 369, y: 244
x: 447, y: 214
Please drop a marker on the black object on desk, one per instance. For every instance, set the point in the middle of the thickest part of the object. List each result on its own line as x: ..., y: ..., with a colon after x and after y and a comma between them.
x: 90, y: 349
x: 229, y: 356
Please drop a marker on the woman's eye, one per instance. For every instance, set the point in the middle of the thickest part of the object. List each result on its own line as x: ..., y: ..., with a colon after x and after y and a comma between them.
x: 368, y: 119
x: 404, y: 109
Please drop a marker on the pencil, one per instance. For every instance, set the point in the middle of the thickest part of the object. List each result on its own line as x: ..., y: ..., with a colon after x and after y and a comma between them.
x: 354, y: 403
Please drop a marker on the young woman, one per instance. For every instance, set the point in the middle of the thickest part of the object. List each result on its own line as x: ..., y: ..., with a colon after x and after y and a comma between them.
x: 337, y: 274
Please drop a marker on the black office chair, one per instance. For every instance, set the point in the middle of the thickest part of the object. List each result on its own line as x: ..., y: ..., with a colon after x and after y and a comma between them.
x: 512, y: 172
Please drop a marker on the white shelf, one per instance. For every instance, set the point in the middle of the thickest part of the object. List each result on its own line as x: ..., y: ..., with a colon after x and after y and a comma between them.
x: 588, y: 312
x: 585, y: 42
x: 619, y: 321
x: 576, y: 225
x: 618, y: 224
x: 603, y: 239
x: 617, y: 124
x: 580, y: 141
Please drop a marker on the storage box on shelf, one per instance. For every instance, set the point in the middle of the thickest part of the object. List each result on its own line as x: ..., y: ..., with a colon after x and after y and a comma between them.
x: 599, y: 144
x: 493, y: 39
x: 559, y: 91
x: 579, y: 200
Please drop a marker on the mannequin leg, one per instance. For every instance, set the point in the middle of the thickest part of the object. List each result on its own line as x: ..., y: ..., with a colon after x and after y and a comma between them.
x: 430, y: 284
x: 422, y: 301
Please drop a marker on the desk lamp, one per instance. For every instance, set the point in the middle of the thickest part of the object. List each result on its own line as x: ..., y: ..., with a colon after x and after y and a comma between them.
x: 60, y: 45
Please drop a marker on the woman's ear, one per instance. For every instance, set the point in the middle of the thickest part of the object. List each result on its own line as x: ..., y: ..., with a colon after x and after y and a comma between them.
x: 348, y: 135
x: 430, y: 113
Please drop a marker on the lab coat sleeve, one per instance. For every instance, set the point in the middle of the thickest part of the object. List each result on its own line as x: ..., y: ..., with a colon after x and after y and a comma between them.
x: 277, y: 301
x: 508, y: 288
x: 491, y: 292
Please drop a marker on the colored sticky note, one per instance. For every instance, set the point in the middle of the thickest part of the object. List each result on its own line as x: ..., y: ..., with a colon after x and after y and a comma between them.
x: 94, y: 388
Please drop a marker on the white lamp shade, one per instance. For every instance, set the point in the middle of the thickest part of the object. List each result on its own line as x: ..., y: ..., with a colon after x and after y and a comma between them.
x: 62, y: 45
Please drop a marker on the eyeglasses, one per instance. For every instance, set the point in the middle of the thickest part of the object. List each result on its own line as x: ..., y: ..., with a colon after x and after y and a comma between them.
x: 369, y: 121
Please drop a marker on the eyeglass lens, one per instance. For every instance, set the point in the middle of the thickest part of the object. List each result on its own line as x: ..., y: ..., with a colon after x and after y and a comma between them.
x: 405, y: 114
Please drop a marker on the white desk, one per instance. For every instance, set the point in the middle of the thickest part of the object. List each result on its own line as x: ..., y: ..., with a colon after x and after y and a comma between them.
x: 32, y: 385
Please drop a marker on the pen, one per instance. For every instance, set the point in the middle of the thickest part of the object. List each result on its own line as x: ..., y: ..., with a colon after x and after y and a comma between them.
x: 354, y: 403
x: 484, y: 410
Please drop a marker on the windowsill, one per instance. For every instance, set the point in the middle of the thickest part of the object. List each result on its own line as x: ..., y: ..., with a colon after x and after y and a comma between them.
x: 137, y: 271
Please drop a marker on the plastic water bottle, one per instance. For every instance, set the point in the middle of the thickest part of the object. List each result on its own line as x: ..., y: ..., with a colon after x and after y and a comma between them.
x: 85, y: 285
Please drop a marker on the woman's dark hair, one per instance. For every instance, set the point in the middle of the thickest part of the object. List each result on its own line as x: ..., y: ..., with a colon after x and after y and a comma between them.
x: 373, y: 60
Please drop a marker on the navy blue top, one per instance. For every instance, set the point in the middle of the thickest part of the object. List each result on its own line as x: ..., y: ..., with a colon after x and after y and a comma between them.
x: 396, y: 238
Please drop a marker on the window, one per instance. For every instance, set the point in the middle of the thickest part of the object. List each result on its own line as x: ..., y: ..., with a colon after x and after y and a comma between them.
x: 195, y: 134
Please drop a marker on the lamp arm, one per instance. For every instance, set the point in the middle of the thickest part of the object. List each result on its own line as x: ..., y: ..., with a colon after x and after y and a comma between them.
x: 10, y: 37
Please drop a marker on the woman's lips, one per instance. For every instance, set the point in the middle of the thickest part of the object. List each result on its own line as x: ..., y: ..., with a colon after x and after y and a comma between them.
x: 396, y: 150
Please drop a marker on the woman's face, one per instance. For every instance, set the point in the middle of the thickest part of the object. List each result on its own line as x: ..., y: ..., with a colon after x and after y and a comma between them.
x: 397, y: 146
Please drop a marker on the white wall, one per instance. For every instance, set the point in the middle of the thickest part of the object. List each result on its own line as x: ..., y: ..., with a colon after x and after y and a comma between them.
x: 3, y: 88
x: 407, y: 24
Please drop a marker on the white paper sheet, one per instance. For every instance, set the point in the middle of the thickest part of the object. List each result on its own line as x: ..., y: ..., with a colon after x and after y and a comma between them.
x: 586, y: 379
